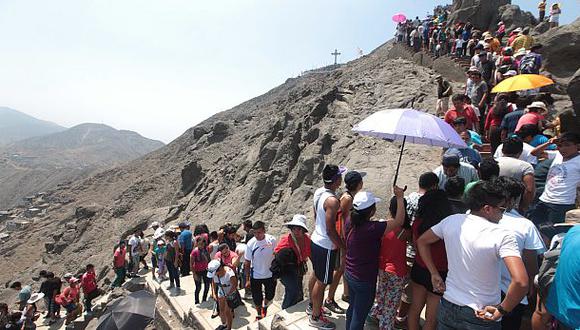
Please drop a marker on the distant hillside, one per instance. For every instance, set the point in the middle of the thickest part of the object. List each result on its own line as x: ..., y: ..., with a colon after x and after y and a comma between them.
x: 41, y: 163
x: 15, y: 126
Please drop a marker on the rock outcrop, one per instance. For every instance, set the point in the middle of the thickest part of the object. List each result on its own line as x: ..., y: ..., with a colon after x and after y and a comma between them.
x: 481, y: 13
x: 514, y: 17
x: 561, y: 49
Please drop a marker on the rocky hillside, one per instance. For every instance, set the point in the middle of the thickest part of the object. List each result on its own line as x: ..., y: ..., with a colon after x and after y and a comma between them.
x: 15, y: 126
x: 260, y: 160
x: 40, y: 163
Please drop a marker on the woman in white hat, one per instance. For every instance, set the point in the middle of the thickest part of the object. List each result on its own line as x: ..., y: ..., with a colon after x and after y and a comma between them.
x: 363, y: 242
x: 225, y: 287
x: 291, y: 255
x: 30, y: 313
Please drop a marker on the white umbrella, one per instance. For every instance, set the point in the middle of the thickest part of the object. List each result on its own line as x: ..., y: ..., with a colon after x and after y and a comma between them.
x: 409, y: 125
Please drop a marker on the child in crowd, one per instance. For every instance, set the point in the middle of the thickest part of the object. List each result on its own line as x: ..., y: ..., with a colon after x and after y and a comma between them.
x: 392, y: 271
x: 160, y: 251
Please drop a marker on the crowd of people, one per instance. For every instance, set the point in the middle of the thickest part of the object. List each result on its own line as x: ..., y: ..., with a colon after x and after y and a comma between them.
x: 77, y: 295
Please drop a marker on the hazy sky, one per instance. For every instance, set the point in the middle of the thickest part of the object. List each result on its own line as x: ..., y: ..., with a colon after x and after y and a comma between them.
x: 160, y: 67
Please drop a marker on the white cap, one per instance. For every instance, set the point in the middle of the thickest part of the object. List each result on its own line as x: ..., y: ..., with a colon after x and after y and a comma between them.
x: 154, y: 224
x: 363, y: 200
x: 298, y: 220
x: 212, y: 268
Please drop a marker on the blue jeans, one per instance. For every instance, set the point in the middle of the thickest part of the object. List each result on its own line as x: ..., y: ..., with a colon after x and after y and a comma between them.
x: 361, y: 297
x: 545, y: 215
x: 120, y: 274
x: 455, y: 317
x: 293, y: 291
x: 173, y: 274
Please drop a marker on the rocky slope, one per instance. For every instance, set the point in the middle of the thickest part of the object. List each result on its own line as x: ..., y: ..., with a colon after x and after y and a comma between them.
x: 15, y: 126
x: 40, y: 163
x: 260, y: 160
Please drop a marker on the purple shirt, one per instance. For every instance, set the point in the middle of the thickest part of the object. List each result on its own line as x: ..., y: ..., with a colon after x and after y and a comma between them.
x: 363, y: 246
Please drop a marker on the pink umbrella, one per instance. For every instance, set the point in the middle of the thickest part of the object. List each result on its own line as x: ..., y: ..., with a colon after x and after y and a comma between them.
x: 398, y: 18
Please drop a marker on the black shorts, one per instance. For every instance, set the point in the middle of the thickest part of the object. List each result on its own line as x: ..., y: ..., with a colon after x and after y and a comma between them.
x: 422, y: 276
x: 323, y: 262
x: 258, y: 295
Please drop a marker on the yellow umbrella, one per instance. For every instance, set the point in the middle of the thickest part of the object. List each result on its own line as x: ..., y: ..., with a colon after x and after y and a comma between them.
x: 522, y: 82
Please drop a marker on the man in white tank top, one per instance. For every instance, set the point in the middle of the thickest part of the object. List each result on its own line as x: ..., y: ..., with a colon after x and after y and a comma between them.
x: 325, y: 243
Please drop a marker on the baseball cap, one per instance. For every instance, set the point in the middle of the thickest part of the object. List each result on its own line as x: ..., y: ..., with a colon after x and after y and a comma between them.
x: 353, y: 177
x: 212, y: 268
x: 331, y: 172
x: 363, y: 200
x: 451, y: 157
x: 460, y: 120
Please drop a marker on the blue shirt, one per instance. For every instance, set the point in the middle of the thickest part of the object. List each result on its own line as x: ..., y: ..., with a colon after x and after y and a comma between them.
x: 475, y: 138
x: 541, y: 139
x: 564, y: 298
x: 510, y: 121
x: 185, y: 239
x: 470, y: 156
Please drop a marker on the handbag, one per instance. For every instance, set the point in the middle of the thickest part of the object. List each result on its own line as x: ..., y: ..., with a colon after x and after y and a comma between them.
x: 234, y: 300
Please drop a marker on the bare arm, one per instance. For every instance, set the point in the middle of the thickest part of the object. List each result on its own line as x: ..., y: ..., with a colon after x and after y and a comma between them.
x: 233, y: 284
x: 247, y: 272
x: 530, y: 259
x: 529, y: 192
x: 423, y: 246
x: 400, y: 216
x: 331, y: 206
x: 542, y: 147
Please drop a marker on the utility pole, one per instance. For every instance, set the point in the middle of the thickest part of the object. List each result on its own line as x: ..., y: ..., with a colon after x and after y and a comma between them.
x: 335, y: 54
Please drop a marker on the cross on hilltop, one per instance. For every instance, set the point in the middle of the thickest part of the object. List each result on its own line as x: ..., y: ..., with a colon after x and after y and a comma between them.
x: 335, y: 54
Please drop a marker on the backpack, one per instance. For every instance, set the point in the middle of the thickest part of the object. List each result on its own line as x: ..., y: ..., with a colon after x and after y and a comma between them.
x: 529, y: 65
x: 547, y: 271
x: 506, y: 63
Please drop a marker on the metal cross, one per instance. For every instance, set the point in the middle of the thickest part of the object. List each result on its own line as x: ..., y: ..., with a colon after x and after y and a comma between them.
x: 336, y: 53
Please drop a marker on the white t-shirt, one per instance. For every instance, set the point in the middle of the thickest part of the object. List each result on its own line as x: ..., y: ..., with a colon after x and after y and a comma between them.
x: 465, y: 171
x: 526, y: 155
x: 527, y: 238
x: 261, y: 254
x: 223, y: 283
x: 475, y: 247
x: 514, y: 168
x: 320, y: 235
x: 562, y: 181
x: 134, y: 243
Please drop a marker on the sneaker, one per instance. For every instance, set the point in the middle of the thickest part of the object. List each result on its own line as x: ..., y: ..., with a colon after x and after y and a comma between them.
x: 221, y: 327
x: 321, y: 323
x: 324, y: 311
x: 333, y: 307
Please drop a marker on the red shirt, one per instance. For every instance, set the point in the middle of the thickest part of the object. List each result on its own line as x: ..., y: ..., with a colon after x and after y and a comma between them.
x: 228, y: 261
x: 286, y: 241
x: 119, y: 257
x: 89, y: 282
x: 530, y: 118
x: 493, y: 120
x: 199, y: 260
x: 438, y: 253
x: 467, y: 113
x: 393, y: 258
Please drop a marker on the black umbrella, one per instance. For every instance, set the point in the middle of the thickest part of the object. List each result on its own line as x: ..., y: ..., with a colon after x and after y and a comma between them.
x: 132, y: 312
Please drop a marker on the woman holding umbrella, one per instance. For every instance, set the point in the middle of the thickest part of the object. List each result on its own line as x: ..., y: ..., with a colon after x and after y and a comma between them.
x: 363, y: 242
